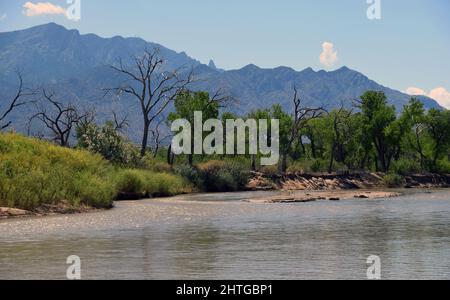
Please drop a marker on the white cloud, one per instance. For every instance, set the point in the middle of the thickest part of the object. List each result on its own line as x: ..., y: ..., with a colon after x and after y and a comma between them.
x: 43, y: 8
x: 329, y: 56
x: 3, y: 17
x: 413, y: 91
x: 440, y: 94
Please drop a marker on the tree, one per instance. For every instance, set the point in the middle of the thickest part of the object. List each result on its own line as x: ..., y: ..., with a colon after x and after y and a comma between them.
x: 341, y: 135
x: 17, y: 101
x: 107, y: 141
x: 438, y: 122
x: 414, y: 115
x: 258, y: 115
x: 301, y: 116
x: 152, y: 86
x: 60, y: 119
x: 187, y: 103
x: 377, y: 117
x: 159, y: 138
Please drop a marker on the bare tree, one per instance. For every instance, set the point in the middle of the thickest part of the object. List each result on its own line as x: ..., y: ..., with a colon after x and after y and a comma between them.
x: 17, y: 101
x: 159, y: 138
x: 152, y: 86
x: 120, y: 123
x: 59, y: 118
x: 302, y: 115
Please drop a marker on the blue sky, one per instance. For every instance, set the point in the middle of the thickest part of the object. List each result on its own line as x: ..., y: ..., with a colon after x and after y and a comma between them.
x: 407, y: 48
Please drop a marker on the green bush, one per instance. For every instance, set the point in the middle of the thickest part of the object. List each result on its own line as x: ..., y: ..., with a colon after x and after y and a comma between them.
x: 146, y: 183
x: 313, y: 166
x: 130, y: 181
x: 406, y: 166
x: 219, y: 176
x: 191, y: 174
x: 443, y: 166
x: 109, y: 143
x: 34, y: 172
x: 393, y: 180
x: 155, y: 164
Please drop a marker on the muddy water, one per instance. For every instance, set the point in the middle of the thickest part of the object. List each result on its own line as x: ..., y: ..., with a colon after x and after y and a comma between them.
x: 224, y: 237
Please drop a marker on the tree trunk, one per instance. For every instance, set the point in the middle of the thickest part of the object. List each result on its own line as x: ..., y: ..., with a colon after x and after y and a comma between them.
x: 330, y: 167
x: 170, y: 155
x: 145, y: 138
x: 254, y: 163
x: 283, y: 165
x: 313, y: 149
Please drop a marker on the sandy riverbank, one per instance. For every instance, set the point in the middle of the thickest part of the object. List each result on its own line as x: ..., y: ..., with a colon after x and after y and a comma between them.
x: 44, y: 210
x: 310, y: 196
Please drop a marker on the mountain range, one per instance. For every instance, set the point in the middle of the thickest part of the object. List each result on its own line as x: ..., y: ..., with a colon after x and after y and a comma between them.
x: 78, y: 67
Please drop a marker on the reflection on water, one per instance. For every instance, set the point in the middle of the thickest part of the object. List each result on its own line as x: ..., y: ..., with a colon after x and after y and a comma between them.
x: 183, y: 238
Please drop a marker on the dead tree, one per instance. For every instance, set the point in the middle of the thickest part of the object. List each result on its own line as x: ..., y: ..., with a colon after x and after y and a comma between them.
x: 302, y: 115
x: 17, y: 101
x: 339, y: 119
x: 159, y: 138
x: 152, y: 86
x: 120, y: 123
x: 60, y: 119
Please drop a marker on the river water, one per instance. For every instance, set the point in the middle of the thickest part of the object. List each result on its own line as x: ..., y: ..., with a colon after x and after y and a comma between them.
x: 224, y: 237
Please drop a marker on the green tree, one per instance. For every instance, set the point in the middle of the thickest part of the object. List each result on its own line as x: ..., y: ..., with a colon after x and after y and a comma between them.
x: 378, y: 116
x: 187, y: 103
x: 414, y: 116
x: 438, y: 122
x: 260, y: 114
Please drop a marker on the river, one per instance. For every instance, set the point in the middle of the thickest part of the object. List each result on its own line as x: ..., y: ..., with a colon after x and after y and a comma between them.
x: 222, y: 236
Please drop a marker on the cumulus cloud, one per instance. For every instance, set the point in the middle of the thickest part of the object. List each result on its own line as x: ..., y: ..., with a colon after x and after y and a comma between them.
x: 440, y: 94
x: 329, y: 56
x: 414, y: 91
x: 42, y: 8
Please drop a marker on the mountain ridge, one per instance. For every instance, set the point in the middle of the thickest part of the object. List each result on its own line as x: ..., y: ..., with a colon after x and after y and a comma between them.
x: 78, y: 66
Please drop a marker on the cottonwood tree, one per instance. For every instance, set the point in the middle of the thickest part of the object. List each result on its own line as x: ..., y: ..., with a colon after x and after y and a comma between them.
x: 299, y: 120
x: 341, y: 135
x: 60, y: 119
x: 414, y: 114
x: 381, y: 127
x: 18, y: 100
x: 152, y: 86
x: 187, y: 103
x: 438, y: 123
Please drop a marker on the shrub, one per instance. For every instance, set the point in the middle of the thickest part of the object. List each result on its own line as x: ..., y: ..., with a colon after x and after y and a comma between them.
x: 219, y: 176
x: 443, y: 166
x: 312, y: 166
x: 270, y: 171
x: 164, y: 184
x: 190, y: 174
x: 393, y: 180
x: 146, y: 183
x: 406, y: 166
x: 154, y: 164
x: 130, y: 181
x: 109, y: 143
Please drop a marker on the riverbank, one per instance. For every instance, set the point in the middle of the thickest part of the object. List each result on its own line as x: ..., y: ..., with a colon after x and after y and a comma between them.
x: 61, y: 208
x: 311, y: 196
x: 294, y: 188
x: 364, y: 180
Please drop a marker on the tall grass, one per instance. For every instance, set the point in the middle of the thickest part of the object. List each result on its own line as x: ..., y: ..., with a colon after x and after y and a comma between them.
x: 34, y: 172
x: 145, y: 183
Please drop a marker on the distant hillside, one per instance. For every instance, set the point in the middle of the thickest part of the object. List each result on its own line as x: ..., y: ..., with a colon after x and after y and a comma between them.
x: 77, y: 67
